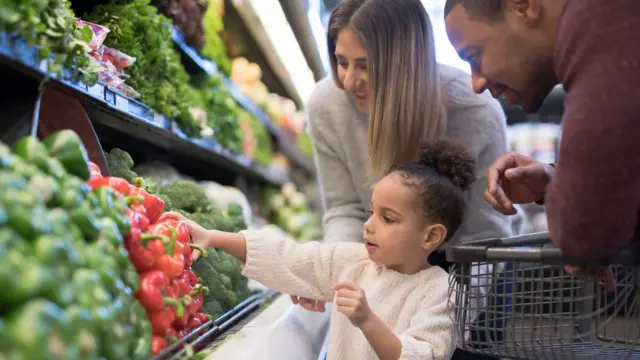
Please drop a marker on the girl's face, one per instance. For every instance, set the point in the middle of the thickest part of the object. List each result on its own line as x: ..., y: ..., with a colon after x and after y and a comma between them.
x: 397, y: 234
x: 351, y: 58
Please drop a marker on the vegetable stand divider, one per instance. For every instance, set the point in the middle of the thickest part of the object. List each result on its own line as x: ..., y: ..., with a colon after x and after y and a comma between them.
x: 513, y: 299
x: 210, y: 331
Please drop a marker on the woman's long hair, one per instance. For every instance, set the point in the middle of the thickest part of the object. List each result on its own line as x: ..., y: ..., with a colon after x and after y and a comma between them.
x: 406, y: 98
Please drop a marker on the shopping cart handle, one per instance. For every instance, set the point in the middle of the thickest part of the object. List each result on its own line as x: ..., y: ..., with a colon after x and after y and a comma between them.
x: 535, y: 248
x: 539, y: 238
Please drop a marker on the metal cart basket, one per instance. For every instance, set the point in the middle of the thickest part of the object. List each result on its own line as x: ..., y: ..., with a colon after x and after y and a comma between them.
x: 533, y: 309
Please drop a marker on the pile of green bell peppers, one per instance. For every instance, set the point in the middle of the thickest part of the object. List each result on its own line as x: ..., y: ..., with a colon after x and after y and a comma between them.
x: 67, y: 283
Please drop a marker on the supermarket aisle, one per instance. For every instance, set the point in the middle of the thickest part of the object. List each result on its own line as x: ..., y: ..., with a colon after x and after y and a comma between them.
x: 247, y: 341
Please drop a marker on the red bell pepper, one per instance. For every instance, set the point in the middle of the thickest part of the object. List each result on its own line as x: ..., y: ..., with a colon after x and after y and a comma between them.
x: 120, y: 185
x: 164, y: 226
x: 161, y: 320
x: 137, y: 219
x: 155, y: 294
x: 154, y: 205
x: 94, y: 171
x: 168, y: 253
x: 173, y: 335
x: 157, y: 344
x: 141, y: 257
x: 194, y: 323
x: 204, y: 318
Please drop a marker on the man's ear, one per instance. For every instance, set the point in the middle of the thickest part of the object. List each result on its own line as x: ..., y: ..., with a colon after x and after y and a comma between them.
x: 434, y: 234
x: 529, y: 11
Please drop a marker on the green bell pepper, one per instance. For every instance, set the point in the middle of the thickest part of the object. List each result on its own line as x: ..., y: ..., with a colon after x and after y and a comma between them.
x: 74, y: 192
x: 58, y: 253
x: 87, y: 220
x: 141, y: 349
x: 10, y: 182
x: 66, y: 146
x: 113, y: 207
x: 89, y: 289
x: 23, y: 277
x: 109, y: 233
x: 6, y: 156
x: 114, y: 341
x: 32, y: 151
x: 84, y: 339
x: 39, y: 327
x: 56, y: 169
x: 26, y: 215
x: 131, y: 278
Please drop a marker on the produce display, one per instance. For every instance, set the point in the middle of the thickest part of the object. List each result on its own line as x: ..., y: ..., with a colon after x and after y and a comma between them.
x: 51, y: 25
x: 222, y: 111
x: 289, y: 209
x: 187, y: 16
x: 215, y: 47
x: 257, y: 140
x: 68, y: 284
x: 220, y: 273
x: 158, y: 75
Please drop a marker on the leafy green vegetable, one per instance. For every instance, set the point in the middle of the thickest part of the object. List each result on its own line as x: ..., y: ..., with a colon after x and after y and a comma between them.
x: 158, y: 74
x: 214, y: 46
x: 50, y: 25
x: 222, y: 111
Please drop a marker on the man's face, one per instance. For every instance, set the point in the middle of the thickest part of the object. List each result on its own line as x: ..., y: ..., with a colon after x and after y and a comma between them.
x: 510, y: 58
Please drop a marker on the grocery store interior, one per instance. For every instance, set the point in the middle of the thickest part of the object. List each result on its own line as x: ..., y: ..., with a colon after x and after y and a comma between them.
x: 191, y: 106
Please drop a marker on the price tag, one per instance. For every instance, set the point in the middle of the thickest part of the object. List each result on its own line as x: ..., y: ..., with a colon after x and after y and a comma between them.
x: 122, y: 103
x: 159, y: 120
x: 97, y: 91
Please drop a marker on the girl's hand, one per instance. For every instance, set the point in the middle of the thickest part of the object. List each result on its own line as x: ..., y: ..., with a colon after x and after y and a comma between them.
x: 199, y: 235
x: 351, y: 301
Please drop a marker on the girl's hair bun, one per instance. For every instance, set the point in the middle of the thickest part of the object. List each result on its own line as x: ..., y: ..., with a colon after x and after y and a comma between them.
x: 450, y: 159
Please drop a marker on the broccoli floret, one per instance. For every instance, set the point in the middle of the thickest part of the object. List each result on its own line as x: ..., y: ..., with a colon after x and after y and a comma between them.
x: 226, y: 281
x: 167, y: 202
x: 186, y: 195
x: 213, y: 308
x: 204, y: 220
x: 120, y: 164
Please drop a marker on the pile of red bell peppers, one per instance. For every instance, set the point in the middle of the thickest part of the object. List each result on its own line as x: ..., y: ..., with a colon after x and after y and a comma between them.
x: 160, y: 248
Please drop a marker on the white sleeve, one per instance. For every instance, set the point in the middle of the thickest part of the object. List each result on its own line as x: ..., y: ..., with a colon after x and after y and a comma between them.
x: 309, y: 270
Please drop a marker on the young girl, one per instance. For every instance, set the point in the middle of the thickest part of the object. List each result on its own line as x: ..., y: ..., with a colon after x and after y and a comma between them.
x: 397, y: 304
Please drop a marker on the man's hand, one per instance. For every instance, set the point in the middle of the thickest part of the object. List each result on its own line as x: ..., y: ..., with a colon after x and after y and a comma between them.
x: 311, y: 305
x: 351, y: 301
x: 600, y: 272
x: 516, y: 179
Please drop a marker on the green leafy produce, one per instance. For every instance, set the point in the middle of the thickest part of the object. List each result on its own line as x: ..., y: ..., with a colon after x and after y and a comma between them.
x: 120, y: 164
x: 262, y: 154
x: 222, y: 111
x: 51, y: 26
x: 158, y: 74
x: 186, y: 195
x: 214, y: 46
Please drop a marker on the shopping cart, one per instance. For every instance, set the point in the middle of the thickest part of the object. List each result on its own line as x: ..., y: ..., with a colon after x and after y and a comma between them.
x: 533, y: 309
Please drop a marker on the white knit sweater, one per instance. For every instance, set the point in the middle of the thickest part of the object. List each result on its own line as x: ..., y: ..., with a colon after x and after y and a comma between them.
x: 415, y: 307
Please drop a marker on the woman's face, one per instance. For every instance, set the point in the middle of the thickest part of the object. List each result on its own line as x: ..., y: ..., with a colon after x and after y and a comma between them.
x: 351, y: 58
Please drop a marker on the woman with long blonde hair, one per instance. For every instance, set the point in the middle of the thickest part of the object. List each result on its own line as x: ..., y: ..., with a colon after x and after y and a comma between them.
x: 386, y: 96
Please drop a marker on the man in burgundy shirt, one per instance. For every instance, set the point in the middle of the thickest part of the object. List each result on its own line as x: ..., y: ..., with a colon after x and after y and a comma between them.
x: 520, y: 49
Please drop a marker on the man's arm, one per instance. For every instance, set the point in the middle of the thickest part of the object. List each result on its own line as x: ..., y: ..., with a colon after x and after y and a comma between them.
x: 592, y: 203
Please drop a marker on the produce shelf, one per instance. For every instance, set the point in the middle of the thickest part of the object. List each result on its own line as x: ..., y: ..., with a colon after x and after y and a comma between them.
x: 132, y: 118
x: 195, y: 62
x: 209, y: 332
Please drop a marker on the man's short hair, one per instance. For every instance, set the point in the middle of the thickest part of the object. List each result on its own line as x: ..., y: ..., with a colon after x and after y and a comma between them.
x: 483, y: 10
